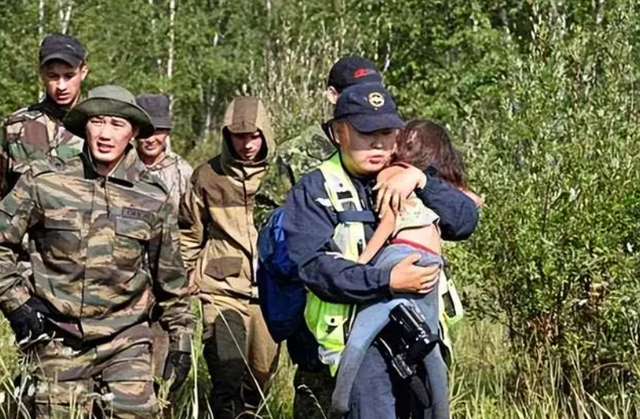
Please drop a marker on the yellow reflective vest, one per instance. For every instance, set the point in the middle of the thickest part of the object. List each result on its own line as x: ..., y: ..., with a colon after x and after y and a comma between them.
x: 330, y: 322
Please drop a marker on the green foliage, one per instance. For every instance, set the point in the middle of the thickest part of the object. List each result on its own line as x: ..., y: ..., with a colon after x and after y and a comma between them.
x: 540, y: 96
x: 556, y: 258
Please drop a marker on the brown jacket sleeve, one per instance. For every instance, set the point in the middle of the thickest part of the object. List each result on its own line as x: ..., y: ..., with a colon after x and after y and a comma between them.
x: 193, y: 220
x: 171, y: 285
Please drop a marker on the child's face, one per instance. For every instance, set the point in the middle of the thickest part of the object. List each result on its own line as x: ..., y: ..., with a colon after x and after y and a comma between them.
x: 367, y: 154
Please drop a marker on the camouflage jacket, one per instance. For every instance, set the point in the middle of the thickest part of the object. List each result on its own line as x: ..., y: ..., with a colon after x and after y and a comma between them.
x: 33, y: 133
x: 102, y: 248
x: 292, y: 159
x: 175, y: 172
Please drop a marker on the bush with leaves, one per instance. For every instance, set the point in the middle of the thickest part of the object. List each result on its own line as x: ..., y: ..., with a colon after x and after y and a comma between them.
x: 555, y: 152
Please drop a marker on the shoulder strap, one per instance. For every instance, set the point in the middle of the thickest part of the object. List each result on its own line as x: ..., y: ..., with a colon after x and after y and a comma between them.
x: 339, y: 187
x: 349, y: 233
x: 343, y: 194
x: 356, y: 217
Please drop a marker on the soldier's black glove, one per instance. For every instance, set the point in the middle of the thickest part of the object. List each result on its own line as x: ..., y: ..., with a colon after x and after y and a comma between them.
x: 177, y: 366
x: 26, y: 324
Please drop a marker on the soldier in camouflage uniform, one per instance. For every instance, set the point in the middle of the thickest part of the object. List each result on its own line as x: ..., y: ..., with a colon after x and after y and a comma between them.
x: 304, y: 153
x: 104, y: 250
x: 36, y: 131
x: 175, y: 172
x: 154, y: 151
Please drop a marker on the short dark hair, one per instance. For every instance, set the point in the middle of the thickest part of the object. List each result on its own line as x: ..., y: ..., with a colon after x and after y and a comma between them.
x: 425, y: 143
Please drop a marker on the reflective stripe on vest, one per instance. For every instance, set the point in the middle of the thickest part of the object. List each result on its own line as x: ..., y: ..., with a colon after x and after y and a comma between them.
x: 329, y: 322
x: 447, y: 292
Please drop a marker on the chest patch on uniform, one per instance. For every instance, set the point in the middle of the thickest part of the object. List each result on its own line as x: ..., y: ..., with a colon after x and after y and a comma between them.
x: 35, y: 135
x: 138, y: 214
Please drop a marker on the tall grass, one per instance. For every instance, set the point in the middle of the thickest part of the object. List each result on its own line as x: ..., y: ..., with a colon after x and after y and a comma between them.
x: 483, y: 384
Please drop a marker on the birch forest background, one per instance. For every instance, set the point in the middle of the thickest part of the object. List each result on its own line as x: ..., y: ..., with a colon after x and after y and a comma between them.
x: 541, y: 97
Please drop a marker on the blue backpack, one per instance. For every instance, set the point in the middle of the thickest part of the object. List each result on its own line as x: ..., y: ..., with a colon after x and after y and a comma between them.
x: 282, y: 293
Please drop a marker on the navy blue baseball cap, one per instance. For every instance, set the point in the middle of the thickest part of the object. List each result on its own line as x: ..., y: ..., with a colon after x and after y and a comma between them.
x: 368, y: 108
x: 61, y: 47
x: 351, y: 70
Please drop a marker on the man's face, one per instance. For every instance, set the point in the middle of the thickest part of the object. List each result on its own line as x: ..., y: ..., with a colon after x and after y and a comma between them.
x: 367, y: 154
x: 247, y: 145
x: 62, y: 82
x: 108, y: 137
x: 153, y: 146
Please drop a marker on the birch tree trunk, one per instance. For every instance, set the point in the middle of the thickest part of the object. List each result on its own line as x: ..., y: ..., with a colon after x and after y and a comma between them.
x: 41, y: 24
x: 172, y: 38
x: 599, y: 11
x: 64, y: 14
x: 154, y: 35
x: 41, y: 19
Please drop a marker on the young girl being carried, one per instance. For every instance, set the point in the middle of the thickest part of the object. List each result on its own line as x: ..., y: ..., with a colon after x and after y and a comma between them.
x: 413, y: 230
x: 422, y: 144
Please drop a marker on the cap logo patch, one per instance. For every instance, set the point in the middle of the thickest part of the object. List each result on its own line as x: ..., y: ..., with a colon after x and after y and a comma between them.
x: 362, y: 72
x: 376, y: 99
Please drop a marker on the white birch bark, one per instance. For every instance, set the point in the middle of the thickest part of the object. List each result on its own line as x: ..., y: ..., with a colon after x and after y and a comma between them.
x: 64, y: 14
x: 599, y: 11
x: 172, y: 39
x: 154, y: 35
x: 41, y: 24
x: 41, y: 19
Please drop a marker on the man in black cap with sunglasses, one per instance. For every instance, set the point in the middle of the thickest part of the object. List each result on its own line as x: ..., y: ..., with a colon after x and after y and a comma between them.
x: 36, y: 131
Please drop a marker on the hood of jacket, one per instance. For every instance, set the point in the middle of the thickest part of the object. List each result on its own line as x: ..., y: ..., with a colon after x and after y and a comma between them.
x: 244, y: 115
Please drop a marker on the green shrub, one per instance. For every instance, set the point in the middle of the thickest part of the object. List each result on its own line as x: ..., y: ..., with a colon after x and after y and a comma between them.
x: 555, y: 258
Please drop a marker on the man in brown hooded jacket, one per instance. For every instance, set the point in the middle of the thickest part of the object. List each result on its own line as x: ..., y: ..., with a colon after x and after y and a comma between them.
x: 218, y: 240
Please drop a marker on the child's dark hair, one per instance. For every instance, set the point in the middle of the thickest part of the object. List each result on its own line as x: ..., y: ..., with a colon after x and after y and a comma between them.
x: 424, y: 143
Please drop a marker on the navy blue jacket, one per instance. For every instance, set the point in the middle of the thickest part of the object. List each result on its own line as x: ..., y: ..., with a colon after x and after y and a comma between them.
x: 309, y: 228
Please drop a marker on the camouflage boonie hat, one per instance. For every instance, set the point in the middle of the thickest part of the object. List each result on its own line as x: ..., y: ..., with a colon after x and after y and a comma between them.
x: 108, y: 100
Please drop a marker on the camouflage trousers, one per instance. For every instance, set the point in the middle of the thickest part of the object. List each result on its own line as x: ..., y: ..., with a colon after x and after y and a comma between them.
x: 160, y: 349
x: 240, y: 354
x: 110, y: 380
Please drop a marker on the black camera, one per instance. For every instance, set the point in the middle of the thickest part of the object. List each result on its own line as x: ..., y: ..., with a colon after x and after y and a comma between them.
x: 405, y: 341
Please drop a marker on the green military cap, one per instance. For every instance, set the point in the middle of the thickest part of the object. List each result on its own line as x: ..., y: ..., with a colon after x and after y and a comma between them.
x: 108, y: 100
